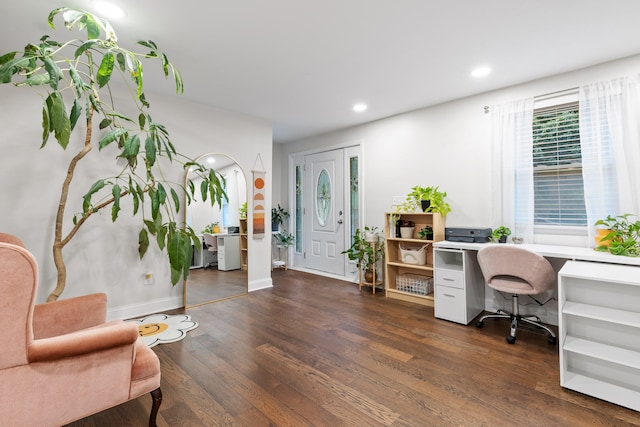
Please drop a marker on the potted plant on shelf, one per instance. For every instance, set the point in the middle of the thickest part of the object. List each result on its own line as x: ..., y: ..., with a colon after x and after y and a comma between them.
x: 426, y: 233
x: 623, y: 237
x: 278, y: 215
x: 499, y: 235
x: 362, y: 252
x: 430, y: 199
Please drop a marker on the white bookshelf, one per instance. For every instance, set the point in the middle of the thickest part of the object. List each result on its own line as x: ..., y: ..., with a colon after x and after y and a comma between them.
x: 599, y: 331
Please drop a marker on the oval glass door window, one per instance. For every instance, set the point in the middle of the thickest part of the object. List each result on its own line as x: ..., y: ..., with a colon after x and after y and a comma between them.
x: 323, y: 197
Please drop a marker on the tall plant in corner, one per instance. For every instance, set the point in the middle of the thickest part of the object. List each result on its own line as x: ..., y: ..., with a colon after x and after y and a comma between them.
x: 74, y: 80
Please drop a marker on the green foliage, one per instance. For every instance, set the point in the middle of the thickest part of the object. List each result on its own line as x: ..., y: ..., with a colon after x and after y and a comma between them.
x: 361, y: 251
x: 284, y: 238
x: 499, y: 232
x: 431, y: 194
x: 209, y: 229
x: 427, y: 230
x: 242, y: 211
x: 74, y: 78
x: 624, y: 237
x: 278, y: 215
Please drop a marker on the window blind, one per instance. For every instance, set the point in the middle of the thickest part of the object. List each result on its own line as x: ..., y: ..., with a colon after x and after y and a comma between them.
x: 557, y: 166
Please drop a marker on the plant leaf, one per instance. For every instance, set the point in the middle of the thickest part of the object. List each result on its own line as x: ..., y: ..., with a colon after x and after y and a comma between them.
x: 106, y: 69
x: 58, y: 121
x: 97, y: 186
x: 109, y: 137
x: 115, y: 208
x: 143, y: 242
x: 76, y: 112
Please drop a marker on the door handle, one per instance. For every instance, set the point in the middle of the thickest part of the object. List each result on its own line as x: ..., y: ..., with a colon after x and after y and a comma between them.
x: 339, y: 221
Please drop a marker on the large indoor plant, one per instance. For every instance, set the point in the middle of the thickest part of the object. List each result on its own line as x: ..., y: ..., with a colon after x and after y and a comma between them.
x: 74, y: 80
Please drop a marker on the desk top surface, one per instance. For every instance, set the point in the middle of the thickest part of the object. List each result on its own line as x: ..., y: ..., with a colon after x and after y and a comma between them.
x: 551, y: 251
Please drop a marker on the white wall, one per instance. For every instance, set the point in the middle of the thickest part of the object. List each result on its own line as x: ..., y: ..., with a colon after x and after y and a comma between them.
x: 103, y: 256
x: 447, y: 145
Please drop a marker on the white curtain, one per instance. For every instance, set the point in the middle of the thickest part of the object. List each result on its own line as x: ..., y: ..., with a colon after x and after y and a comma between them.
x: 234, y: 197
x: 610, y: 144
x: 512, y: 136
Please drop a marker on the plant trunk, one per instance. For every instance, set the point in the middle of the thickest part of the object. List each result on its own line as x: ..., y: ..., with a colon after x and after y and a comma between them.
x: 58, y: 242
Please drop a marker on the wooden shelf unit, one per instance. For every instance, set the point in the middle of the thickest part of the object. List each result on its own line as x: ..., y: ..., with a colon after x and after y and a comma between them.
x: 394, y: 267
x: 244, y: 245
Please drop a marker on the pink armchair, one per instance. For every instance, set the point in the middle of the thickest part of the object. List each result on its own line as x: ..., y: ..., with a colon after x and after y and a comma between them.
x: 62, y: 361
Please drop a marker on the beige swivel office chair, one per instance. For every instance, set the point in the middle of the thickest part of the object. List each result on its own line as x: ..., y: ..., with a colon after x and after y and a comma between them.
x: 211, y: 242
x: 512, y: 269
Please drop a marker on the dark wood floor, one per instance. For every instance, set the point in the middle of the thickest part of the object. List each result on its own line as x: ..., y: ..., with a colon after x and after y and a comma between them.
x: 317, y: 352
x: 211, y: 284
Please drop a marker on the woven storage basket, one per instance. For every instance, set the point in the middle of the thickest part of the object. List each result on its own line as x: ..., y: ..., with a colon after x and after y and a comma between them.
x: 415, y: 255
x: 414, y: 283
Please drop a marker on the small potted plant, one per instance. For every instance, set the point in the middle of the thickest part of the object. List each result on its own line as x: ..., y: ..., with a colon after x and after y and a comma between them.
x: 284, y: 239
x: 499, y: 235
x: 278, y: 215
x: 431, y: 199
x: 426, y: 233
x: 623, y: 236
x: 212, y: 228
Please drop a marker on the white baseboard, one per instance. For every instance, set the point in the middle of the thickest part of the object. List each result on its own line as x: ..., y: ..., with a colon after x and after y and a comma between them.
x: 140, y: 310
x: 256, y: 285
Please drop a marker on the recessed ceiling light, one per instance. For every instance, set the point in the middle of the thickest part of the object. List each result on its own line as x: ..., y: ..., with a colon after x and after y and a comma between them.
x: 481, y: 72
x: 109, y: 10
x: 359, y: 107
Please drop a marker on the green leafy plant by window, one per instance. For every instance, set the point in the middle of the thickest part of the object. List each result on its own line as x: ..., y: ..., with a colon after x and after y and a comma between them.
x: 623, y: 237
x: 498, y: 233
x: 73, y: 78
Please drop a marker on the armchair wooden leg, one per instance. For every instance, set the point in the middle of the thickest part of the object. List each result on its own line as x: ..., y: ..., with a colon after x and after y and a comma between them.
x: 156, y: 397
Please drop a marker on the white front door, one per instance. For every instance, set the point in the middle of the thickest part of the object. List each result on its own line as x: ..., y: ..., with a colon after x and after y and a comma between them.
x: 324, y: 212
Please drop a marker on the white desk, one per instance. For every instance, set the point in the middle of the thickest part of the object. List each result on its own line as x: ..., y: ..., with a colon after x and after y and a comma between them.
x: 550, y: 251
x: 465, y: 291
x: 598, y: 313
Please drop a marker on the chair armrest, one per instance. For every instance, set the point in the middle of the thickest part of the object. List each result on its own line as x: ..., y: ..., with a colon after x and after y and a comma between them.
x: 110, y: 335
x: 68, y: 315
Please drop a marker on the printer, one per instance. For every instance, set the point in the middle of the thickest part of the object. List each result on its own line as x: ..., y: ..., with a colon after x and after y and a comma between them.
x: 467, y: 234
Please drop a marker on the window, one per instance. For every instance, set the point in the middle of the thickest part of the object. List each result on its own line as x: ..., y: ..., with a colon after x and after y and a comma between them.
x: 354, y: 197
x: 557, y: 167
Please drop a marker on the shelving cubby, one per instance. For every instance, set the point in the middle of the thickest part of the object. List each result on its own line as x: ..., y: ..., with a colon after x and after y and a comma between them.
x: 599, y: 326
x: 396, y: 269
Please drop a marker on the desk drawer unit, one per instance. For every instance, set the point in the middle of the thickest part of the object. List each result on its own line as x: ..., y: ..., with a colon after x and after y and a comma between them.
x: 459, y: 286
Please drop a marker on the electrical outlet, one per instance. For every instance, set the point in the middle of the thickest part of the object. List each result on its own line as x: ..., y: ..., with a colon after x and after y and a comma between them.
x: 397, y: 200
x: 148, y: 278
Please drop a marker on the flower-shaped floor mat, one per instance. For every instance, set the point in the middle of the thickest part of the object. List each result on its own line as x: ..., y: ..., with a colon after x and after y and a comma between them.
x: 164, y: 328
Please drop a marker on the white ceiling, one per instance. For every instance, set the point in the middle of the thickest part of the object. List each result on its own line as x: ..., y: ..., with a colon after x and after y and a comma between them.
x: 302, y: 64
